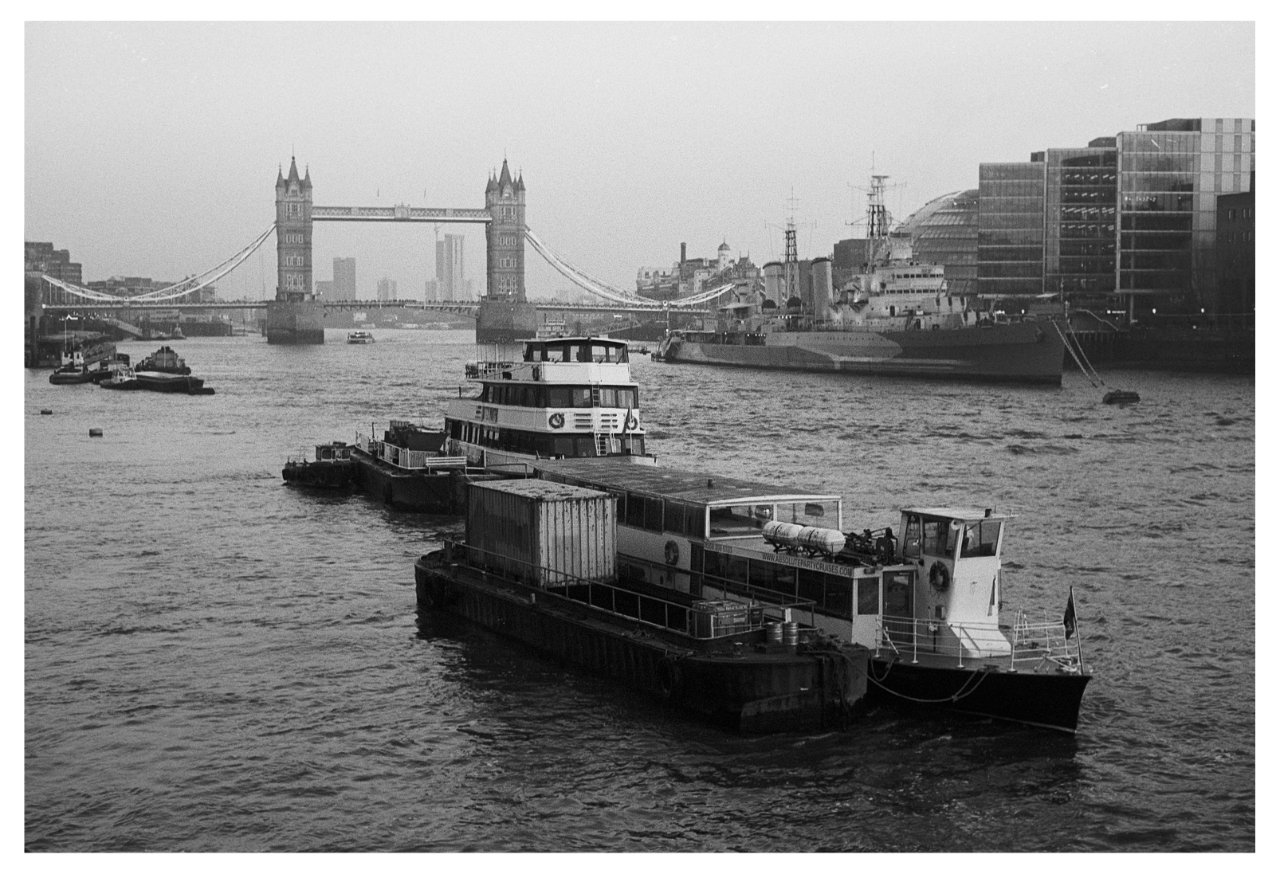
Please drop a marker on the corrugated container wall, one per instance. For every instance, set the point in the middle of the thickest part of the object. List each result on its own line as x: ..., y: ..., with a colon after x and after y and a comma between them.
x: 542, y: 532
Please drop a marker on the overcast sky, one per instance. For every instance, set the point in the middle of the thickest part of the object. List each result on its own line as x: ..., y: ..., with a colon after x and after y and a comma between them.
x: 152, y: 149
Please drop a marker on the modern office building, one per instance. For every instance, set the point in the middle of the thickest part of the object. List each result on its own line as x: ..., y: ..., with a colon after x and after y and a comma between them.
x: 451, y: 283
x: 1171, y: 175
x: 344, y: 279
x: 1080, y: 222
x: 1235, y: 254
x: 1128, y: 222
x: 1011, y: 208
x: 387, y: 289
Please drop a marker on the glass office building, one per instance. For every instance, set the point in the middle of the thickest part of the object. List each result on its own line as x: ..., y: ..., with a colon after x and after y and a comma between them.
x: 1011, y: 229
x: 1080, y: 222
x: 1171, y: 175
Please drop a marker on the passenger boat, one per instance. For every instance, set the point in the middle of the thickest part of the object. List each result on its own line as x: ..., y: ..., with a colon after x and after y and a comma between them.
x: 927, y: 602
x: 898, y: 318
x: 333, y: 468
x: 539, y: 563
x: 556, y: 397
x: 163, y: 360
x: 408, y: 469
x: 359, y: 337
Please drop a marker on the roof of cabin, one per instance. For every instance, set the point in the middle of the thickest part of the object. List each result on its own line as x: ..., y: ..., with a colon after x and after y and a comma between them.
x: 684, y: 485
x: 965, y: 514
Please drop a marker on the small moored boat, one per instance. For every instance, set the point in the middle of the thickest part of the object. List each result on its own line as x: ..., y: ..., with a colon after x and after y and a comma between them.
x: 332, y: 468
x: 359, y: 337
x: 163, y: 360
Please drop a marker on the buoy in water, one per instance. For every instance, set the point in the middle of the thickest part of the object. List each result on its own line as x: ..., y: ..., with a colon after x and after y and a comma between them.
x: 1120, y: 396
x: 95, y: 432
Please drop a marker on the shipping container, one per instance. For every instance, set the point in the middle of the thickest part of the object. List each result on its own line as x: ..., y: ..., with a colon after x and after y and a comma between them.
x: 542, y: 533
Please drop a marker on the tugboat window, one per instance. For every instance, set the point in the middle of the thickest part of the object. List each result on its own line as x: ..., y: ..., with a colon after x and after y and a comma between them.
x: 911, y: 539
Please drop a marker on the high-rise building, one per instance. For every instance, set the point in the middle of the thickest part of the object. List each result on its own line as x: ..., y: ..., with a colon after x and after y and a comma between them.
x: 1011, y: 199
x: 387, y: 289
x: 1171, y: 175
x: 344, y: 279
x: 1080, y: 220
x: 1129, y: 220
x: 451, y: 284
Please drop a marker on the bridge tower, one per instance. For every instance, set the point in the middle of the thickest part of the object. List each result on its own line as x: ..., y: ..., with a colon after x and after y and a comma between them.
x: 293, y: 317
x: 505, y: 314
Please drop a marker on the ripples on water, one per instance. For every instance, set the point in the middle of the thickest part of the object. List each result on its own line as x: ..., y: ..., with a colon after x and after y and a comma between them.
x: 214, y: 662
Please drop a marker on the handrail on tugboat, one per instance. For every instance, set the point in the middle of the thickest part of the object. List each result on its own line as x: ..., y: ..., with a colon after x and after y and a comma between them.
x: 1026, y: 646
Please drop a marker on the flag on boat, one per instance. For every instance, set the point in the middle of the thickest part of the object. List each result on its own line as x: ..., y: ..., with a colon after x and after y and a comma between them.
x: 1069, y: 617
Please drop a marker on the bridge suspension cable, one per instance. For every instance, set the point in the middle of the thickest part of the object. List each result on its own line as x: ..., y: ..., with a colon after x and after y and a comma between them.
x: 178, y: 289
x: 576, y: 276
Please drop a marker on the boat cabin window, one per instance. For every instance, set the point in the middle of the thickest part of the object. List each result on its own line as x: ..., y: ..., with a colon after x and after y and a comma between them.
x: 980, y: 538
x: 736, y: 521
x: 584, y: 352
x: 911, y: 536
x: 937, y: 533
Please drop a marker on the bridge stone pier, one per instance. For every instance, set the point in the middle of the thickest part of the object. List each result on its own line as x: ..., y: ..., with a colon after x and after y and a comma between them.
x: 505, y: 315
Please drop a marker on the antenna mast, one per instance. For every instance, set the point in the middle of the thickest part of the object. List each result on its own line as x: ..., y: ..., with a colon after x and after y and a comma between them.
x: 791, y: 260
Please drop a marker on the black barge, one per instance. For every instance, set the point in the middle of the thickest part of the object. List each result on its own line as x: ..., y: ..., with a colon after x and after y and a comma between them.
x: 539, y: 565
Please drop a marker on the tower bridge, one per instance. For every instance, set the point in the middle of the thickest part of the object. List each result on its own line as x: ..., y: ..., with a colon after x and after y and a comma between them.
x: 295, y: 315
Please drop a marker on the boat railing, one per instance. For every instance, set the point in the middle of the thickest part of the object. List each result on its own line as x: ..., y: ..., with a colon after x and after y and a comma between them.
x: 477, y: 370
x: 601, y: 595
x: 1027, y: 645
x: 410, y: 459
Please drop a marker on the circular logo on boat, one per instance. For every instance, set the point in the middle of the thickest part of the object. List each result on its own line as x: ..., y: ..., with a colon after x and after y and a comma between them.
x: 671, y: 552
x: 556, y: 420
x: 632, y: 422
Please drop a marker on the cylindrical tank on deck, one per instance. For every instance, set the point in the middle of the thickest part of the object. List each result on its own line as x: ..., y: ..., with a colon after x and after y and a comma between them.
x: 791, y: 536
x: 824, y: 540
x: 773, y: 282
x: 820, y: 272
x: 781, y: 533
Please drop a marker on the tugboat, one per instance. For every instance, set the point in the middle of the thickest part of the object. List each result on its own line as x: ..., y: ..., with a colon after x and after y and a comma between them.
x: 561, y: 397
x: 927, y: 602
x: 71, y: 374
x: 122, y: 379
x: 540, y: 564
x: 163, y: 360
x: 332, y: 468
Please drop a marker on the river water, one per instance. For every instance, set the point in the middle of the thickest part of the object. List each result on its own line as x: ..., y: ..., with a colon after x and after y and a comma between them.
x: 216, y: 662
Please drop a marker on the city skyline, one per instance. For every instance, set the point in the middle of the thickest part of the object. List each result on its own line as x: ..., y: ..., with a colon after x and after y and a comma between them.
x: 671, y: 138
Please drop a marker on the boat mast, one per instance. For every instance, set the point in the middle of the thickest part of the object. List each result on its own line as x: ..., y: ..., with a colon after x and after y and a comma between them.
x: 877, y: 218
x: 790, y: 260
